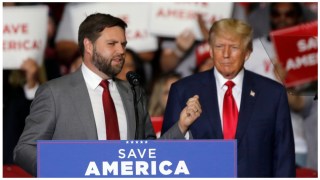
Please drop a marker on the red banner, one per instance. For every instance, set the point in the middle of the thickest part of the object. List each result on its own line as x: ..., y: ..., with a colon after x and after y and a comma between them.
x: 297, y: 50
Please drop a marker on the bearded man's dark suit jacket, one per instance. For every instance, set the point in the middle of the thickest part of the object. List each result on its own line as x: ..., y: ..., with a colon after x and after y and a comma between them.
x: 264, y: 132
x: 61, y: 110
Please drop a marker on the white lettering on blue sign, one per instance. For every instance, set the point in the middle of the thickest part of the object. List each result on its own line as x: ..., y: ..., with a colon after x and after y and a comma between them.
x: 138, y: 168
x: 137, y: 153
x: 131, y: 167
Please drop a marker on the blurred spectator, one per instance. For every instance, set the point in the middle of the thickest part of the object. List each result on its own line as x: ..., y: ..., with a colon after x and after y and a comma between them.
x: 248, y: 7
x: 132, y: 63
x: 159, y: 96
x: 178, y: 55
x: 310, y: 113
x: 50, y: 62
x: 205, y: 65
x: 147, y: 65
x: 261, y: 15
x: 204, y: 61
x: 76, y: 63
x: 66, y: 49
x: 281, y: 15
x: 312, y: 6
x: 240, y: 11
x: 19, y: 90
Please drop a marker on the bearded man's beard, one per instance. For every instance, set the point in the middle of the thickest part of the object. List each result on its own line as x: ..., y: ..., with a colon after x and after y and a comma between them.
x: 104, y: 65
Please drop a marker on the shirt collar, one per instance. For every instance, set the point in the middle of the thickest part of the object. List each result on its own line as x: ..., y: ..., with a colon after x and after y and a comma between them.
x: 238, y: 80
x: 91, y: 78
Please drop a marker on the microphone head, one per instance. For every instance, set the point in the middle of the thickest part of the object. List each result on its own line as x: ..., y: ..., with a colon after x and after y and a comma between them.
x: 133, y: 78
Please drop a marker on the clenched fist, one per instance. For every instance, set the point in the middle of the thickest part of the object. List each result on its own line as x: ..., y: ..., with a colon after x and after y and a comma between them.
x: 190, y: 113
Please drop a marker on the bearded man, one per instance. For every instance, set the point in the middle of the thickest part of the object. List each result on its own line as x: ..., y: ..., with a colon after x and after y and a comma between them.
x: 91, y: 104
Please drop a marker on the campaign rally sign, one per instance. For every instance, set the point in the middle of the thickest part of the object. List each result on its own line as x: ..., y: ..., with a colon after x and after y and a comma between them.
x: 170, y: 19
x: 24, y: 34
x: 136, y: 15
x: 137, y: 158
x: 297, y: 50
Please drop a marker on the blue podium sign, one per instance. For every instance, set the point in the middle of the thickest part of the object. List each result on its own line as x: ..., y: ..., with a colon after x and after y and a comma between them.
x: 156, y: 158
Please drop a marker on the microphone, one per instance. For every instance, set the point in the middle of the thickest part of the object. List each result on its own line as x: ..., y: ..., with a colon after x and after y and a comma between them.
x: 133, y: 78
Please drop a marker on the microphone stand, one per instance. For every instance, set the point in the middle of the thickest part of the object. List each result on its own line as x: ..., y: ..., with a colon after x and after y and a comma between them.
x: 139, y: 125
x: 133, y: 79
x: 137, y: 134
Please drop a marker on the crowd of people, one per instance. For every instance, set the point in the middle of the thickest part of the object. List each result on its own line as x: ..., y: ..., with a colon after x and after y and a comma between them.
x: 175, y: 58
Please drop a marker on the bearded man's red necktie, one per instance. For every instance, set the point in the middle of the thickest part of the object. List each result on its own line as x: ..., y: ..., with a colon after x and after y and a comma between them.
x: 230, y: 113
x: 110, y: 114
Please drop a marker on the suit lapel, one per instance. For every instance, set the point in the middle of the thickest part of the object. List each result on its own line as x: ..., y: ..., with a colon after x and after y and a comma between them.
x: 81, y: 100
x: 212, y: 107
x: 210, y: 124
x: 248, y: 98
x: 127, y: 99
